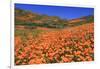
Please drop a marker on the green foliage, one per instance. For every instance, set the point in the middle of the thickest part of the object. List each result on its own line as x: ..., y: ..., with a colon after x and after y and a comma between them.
x: 90, y: 19
x: 47, y: 24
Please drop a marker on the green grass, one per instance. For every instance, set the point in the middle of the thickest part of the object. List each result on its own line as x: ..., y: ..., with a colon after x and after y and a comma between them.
x: 24, y: 33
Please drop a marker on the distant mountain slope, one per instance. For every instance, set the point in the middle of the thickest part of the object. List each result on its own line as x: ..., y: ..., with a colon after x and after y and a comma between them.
x: 28, y: 18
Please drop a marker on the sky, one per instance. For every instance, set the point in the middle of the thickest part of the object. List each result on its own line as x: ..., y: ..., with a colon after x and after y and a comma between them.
x: 64, y: 12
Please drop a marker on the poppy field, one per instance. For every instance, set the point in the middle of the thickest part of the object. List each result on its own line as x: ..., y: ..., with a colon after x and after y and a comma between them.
x: 75, y: 44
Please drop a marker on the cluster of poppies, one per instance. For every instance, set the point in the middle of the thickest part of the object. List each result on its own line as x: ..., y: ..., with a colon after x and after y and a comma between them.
x: 74, y: 44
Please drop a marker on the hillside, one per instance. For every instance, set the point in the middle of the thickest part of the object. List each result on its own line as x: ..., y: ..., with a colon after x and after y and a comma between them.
x: 68, y: 45
x: 30, y: 19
